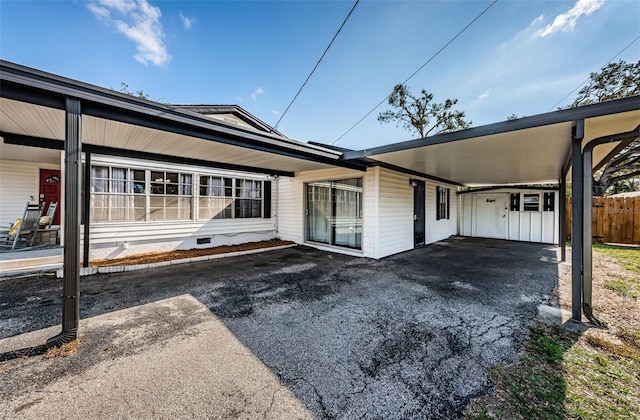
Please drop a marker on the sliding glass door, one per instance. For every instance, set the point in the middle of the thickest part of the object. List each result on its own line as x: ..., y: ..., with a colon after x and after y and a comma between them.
x: 334, y: 212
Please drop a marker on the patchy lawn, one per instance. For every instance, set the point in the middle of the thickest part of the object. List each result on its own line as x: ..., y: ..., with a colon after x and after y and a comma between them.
x: 564, y: 374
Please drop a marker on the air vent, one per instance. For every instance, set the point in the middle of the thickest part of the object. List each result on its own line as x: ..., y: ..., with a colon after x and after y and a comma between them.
x: 202, y: 241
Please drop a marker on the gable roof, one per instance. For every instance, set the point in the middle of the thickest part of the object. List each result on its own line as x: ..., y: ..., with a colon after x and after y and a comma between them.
x: 231, y: 114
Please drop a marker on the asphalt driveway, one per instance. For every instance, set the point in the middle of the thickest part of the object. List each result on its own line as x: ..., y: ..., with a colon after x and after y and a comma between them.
x: 409, y: 336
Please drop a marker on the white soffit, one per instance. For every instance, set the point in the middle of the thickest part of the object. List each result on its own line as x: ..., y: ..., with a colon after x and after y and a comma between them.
x: 38, y: 121
x: 534, y: 155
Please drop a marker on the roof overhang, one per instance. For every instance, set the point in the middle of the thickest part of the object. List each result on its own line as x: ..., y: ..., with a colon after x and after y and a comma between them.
x: 528, y: 150
x: 32, y: 105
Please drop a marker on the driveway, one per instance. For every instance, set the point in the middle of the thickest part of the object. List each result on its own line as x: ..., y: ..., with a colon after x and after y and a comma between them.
x: 410, y: 336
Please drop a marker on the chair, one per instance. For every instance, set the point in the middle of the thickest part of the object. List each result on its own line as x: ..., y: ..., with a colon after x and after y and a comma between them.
x: 23, y: 230
x: 47, y: 219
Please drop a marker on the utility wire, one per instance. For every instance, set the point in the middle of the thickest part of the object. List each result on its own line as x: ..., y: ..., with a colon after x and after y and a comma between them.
x: 588, y: 78
x: 419, y: 68
x: 318, y: 62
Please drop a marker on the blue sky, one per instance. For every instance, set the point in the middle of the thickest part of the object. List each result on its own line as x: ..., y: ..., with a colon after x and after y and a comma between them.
x: 520, y: 57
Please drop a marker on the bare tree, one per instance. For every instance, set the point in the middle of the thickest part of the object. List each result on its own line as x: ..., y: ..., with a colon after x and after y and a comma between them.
x: 615, y: 81
x: 420, y: 115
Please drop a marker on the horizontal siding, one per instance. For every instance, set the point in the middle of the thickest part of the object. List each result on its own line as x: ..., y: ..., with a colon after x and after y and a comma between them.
x: 370, y: 213
x: 19, y: 184
x: 395, y: 213
x: 438, y: 230
x: 118, y: 232
x: 290, y: 212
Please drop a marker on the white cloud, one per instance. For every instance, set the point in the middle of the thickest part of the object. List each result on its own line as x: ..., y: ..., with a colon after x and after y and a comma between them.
x: 140, y: 22
x: 275, y: 112
x: 187, y: 23
x: 258, y: 91
x: 566, y: 22
x: 484, y: 94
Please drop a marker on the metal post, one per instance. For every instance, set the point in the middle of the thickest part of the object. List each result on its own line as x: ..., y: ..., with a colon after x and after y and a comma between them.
x: 587, y: 241
x: 562, y: 218
x: 71, y: 270
x: 86, y: 206
x: 576, y: 222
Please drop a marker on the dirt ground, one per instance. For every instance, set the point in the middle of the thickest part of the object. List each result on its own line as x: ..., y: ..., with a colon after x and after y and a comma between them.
x: 618, y: 311
x: 154, y: 257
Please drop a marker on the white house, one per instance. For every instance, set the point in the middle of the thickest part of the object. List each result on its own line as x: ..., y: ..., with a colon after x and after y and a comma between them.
x: 142, y: 175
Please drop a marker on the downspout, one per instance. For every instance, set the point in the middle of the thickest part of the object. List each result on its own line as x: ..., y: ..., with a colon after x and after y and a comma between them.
x: 587, y: 277
x: 71, y: 266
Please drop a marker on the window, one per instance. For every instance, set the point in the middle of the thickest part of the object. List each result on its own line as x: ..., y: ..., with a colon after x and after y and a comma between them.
x: 531, y: 202
x: 248, y: 201
x: 216, y: 198
x: 226, y: 198
x: 443, y: 197
x: 117, y: 194
x: 120, y: 194
x: 170, y: 196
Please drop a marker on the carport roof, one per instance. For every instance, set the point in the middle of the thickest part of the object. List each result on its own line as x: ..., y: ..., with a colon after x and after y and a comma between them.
x: 32, y: 113
x: 528, y: 150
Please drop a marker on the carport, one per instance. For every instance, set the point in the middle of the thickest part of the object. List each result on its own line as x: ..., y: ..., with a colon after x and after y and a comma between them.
x: 40, y: 112
x: 559, y: 147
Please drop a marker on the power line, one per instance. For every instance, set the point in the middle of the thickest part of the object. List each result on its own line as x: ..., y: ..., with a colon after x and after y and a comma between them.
x: 318, y: 62
x: 587, y: 79
x: 419, y: 68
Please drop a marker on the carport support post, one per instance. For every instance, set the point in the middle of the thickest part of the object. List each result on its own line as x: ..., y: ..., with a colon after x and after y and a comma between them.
x: 587, y: 243
x: 71, y: 270
x: 577, y: 214
x: 562, y: 217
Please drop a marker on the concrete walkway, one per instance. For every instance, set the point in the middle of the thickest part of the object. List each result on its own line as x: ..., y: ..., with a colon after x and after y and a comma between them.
x: 167, y: 359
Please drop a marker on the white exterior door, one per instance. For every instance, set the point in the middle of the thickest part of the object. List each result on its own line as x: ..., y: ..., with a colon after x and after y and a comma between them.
x: 491, y: 215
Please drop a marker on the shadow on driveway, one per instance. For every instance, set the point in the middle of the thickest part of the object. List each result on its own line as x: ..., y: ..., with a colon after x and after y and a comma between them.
x: 412, y: 335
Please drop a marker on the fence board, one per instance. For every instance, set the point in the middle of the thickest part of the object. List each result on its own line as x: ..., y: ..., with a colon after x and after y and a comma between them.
x: 614, y: 219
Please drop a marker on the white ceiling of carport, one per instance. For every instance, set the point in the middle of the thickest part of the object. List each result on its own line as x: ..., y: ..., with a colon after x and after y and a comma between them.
x: 526, y: 156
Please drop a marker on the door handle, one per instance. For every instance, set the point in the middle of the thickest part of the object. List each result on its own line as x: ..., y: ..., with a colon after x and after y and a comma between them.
x: 415, y: 217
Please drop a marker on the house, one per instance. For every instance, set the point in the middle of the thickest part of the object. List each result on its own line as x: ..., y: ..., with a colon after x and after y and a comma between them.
x: 166, y: 177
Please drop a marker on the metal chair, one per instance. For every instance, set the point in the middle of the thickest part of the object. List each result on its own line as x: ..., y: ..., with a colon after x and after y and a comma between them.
x: 23, y: 231
x: 47, y: 220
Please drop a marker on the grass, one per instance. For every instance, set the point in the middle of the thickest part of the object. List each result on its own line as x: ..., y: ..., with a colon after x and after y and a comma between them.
x: 629, y: 258
x: 563, y: 374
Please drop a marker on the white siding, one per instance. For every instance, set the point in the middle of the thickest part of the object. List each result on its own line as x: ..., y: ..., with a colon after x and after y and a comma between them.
x: 528, y: 226
x: 19, y: 184
x: 395, y: 213
x: 107, y: 239
x: 438, y: 230
x: 119, y: 239
x: 466, y: 212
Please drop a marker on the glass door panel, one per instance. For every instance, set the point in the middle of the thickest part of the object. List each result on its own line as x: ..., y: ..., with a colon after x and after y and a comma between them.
x: 319, y: 212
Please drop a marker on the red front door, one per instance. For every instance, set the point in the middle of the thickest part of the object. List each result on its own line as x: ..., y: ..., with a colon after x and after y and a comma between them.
x: 50, y: 191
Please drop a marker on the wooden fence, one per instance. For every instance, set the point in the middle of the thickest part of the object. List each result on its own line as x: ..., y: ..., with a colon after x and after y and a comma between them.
x: 614, y: 219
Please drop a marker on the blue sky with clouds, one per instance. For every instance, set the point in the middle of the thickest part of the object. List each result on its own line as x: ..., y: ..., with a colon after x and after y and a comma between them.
x: 520, y: 57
